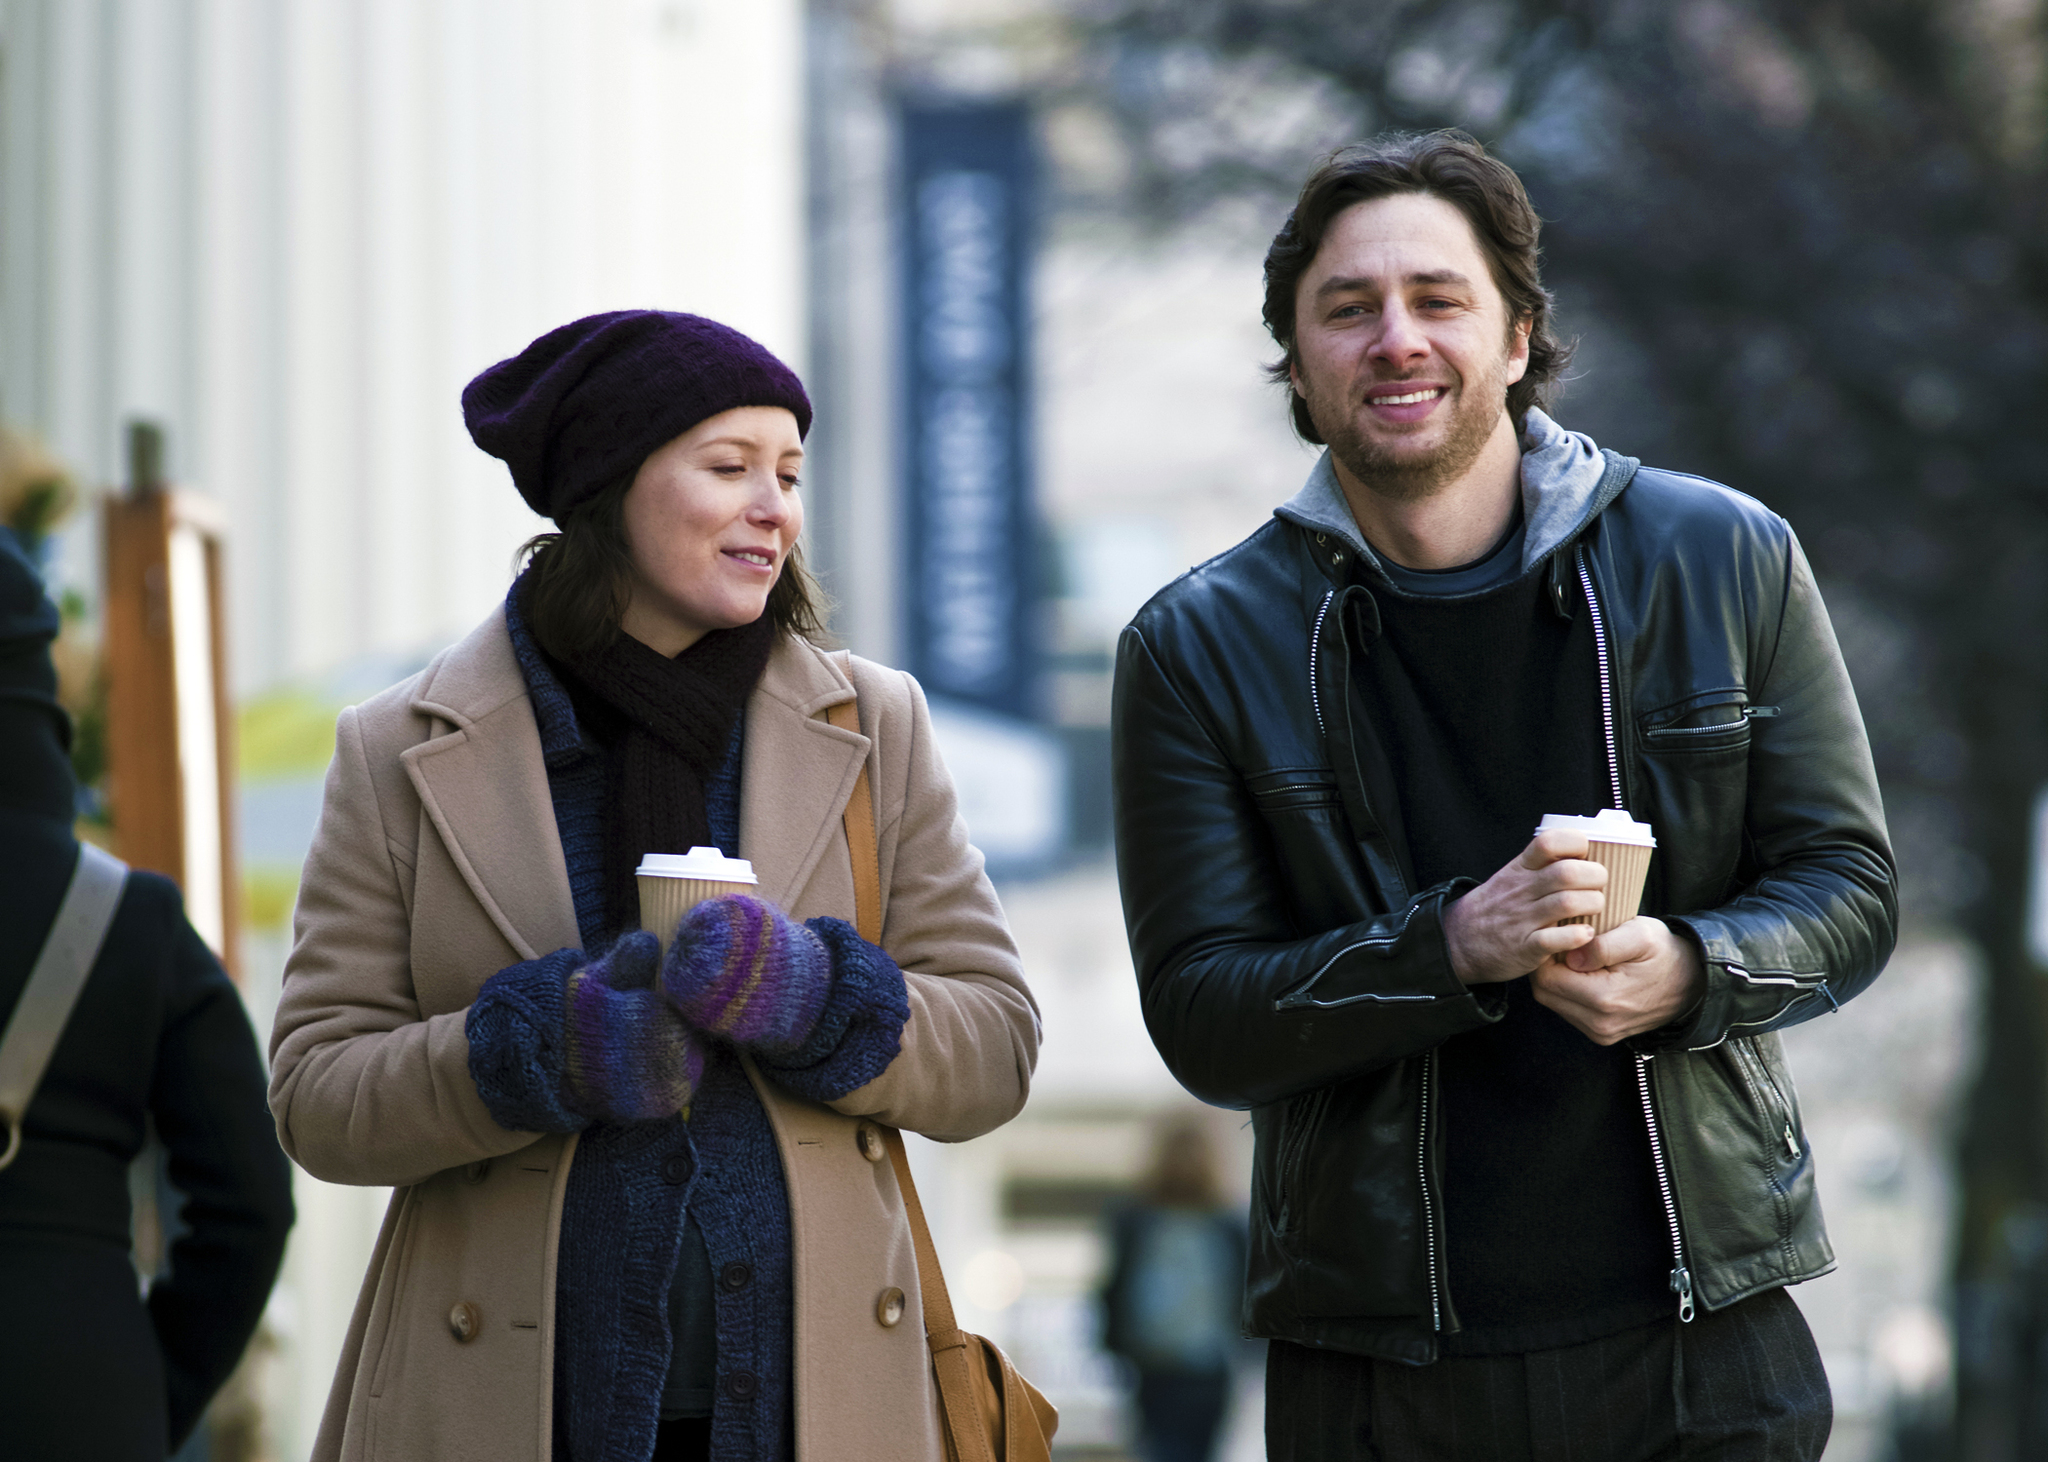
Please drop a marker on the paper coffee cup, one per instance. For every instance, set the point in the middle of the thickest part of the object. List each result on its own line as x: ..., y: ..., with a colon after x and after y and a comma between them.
x: 672, y: 884
x: 1621, y: 845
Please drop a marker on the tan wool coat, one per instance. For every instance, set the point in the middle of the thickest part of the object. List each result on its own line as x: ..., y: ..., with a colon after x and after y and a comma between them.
x: 435, y: 865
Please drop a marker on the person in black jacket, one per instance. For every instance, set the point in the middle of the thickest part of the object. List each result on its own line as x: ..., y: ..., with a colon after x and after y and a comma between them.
x: 88, y: 1367
x: 1519, y: 1190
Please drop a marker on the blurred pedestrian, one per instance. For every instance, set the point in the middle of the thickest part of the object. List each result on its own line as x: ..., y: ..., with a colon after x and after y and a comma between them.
x: 644, y: 1208
x: 1172, y: 1299
x: 1523, y: 1186
x: 156, y: 1038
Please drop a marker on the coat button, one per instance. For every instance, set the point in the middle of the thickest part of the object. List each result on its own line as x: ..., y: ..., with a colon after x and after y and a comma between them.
x: 464, y: 1321
x: 889, y: 1308
x: 476, y: 1172
x: 736, y: 1275
x: 871, y: 1145
x: 675, y: 1169
x: 742, y: 1385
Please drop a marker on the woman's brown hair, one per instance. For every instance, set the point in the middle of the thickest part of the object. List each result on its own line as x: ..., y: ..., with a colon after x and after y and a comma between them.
x: 578, y: 579
x: 1450, y: 165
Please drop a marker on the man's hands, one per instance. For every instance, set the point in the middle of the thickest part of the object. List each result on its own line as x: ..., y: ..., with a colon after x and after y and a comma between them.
x: 1503, y: 929
x: 1634, y: 978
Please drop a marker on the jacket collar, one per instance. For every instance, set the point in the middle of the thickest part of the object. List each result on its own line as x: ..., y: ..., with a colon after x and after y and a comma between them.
x: 561, y: 738
x: 484, y: 787
x: 798, y: 769
x: 483, y: 783
x: 1566, y: 482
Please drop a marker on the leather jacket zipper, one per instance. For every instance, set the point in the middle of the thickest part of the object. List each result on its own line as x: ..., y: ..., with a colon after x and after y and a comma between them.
x: 1606, y: 678
x: 1805, y: 984
x: 1681, y: 1277
x: 1436, y: 1303
x: 1315, y: 642
x: 1304, y: 1116
x: 1784, y: 1108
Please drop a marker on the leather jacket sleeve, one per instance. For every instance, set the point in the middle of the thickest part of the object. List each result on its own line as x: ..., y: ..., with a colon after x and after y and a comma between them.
x: 1243, y: 1006
x: 1815, y: 922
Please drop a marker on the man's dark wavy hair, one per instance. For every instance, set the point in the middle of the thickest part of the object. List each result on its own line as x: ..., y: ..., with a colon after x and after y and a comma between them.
x: 1450, y: 165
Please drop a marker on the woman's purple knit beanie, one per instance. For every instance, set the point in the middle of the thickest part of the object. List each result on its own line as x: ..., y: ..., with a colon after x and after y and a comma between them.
x: 584, y: 405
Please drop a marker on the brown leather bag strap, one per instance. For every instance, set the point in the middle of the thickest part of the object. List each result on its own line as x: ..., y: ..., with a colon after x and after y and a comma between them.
x: 938, y: 1305
x: 867, y: 905
x: 954, y: 1353
x: 867, y: 920
x: 860, y: 835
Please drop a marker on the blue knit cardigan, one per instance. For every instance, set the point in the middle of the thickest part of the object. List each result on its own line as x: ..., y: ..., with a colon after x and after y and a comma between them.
x: 631, y: 1184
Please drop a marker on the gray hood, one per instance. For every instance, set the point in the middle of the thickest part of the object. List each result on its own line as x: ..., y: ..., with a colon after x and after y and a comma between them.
x: 1566, y: 481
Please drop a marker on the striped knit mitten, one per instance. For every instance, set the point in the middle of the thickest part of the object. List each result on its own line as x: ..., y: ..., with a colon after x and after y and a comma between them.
x: 741, y: 970
x: 628, y: 1056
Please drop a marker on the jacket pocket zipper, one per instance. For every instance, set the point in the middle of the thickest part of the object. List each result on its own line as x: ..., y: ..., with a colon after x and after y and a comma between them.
x: 1784, y: 1107
x: 1436, y: 1304
x: 1679, y: 738
x: 1660, y: 731
x: 1297, y: 1143
x: 1681, y: 1277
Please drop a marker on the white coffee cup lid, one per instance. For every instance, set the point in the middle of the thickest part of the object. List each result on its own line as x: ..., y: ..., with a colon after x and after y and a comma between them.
x: 707, y: 864
x: 1611, y: 825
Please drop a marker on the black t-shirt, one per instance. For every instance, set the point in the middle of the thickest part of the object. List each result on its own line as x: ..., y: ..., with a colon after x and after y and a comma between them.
x: 1488, y: 706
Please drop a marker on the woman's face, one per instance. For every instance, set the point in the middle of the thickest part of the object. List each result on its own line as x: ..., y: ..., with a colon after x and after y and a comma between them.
x: 710, y: 520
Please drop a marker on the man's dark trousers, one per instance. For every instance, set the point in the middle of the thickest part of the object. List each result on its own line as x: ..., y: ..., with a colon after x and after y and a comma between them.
x: 1743, y: 1384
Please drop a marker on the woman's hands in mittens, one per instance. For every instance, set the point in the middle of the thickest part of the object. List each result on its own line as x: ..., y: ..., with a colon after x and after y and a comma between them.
x: 628, y: 1056
x: 739, y: 969
x: 861, y: 1030
x: 515, y: 1035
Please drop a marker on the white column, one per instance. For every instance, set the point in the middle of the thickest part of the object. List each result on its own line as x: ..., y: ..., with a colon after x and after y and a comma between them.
x: 292, y: 231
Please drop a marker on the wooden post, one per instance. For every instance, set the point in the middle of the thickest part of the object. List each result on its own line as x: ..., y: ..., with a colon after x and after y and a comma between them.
x: 170, y: 723
x: 224, y: 756
x: 143, y: 799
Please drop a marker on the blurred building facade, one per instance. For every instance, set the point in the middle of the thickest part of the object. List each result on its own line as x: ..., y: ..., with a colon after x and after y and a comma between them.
x: 290, y: 230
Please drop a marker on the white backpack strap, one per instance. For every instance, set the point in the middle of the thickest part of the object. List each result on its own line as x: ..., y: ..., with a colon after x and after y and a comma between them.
x: 69, y: 952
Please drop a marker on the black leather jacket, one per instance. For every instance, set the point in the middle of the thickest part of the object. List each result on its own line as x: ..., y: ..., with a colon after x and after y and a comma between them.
x: 1287, y: 966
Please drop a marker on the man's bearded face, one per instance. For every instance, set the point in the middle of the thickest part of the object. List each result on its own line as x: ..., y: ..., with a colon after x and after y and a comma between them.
x: 1404, y: 350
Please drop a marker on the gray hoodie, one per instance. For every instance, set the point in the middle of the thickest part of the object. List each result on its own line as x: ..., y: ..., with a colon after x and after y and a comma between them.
x: 1566, y: 481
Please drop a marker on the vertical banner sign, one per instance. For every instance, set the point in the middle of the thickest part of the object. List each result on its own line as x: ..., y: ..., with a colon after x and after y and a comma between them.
x: 2037, y: 885
x: 966, y: 230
